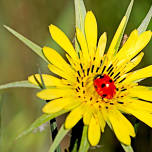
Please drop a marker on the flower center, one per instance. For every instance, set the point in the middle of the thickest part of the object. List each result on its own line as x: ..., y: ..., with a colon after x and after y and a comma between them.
x: 104, y: 86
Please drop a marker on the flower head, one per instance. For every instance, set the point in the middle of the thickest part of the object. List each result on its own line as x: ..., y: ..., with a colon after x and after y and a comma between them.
x: 96, y: 86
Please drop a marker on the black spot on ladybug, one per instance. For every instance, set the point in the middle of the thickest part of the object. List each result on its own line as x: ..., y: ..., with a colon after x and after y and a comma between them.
x: 103, y: 85
x: 110, y: 81
x: 104, y: 95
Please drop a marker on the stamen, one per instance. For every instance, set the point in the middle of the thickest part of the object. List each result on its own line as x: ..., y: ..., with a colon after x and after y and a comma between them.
x: 82, y: 84
x: 124, y: 89
x: 97, y: 69
x: 78, y: 80
x: 111, y: 74
x: 111, y: 70
x: 78, y: 73
x: 103, y: 69
x: 120, y: 102
x: 92, y: 68
x: 88, y: 71
x: 109, y: 67
x: 116, y: 75
x: 77, y: 90
x: 117, y: 78
x: 122, y: 80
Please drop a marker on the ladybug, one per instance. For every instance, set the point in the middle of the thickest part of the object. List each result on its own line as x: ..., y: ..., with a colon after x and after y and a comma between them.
x: 104, y: 86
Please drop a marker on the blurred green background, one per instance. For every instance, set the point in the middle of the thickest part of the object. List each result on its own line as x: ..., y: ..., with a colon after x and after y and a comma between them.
x: 19, y: 107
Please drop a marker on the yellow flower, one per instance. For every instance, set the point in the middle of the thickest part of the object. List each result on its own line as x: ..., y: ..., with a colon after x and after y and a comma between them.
x: 96, y: 86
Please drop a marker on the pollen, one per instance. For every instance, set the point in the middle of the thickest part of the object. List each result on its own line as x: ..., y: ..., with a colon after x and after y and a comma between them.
x: 104, y: 86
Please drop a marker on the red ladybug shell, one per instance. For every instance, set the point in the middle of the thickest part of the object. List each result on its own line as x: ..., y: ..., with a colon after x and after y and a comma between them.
x: 105, y: 86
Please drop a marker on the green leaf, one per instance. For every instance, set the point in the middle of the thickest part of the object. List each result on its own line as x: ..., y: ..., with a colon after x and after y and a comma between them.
x: 143, y: 26
x: 62, y: 132
x: 80, y: 13
x: 24, y: 84
x: 127, y: 148
x: 41, y: 120
x: 75, y: 146
x: 84, y: 145
x: 30, y: 44
x: 127, y: 15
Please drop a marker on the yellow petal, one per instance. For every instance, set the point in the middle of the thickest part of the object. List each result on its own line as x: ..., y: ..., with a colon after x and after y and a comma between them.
x: 57, y: 60
x: 134, y: 62
x: 101, y: 120
x: 62, y: 74
x: 127, y: 47
x: 48, y: 80
x: 141, y: 92
x: 63, y: 41
x: 56, y: 105
x: 87, y: 115
x: 142, y: 115
x: 91, y: 32
x: 114, y: 42
x: 74, y: 116
x: 101, y: 46
x: 49, y: 94
x: 94, y: 132
x: 139, y: 74
x: 133, y: 46
x: 121, y: 126
x: 143, y: 40
x: 137, y: 105
x: 83, y: 44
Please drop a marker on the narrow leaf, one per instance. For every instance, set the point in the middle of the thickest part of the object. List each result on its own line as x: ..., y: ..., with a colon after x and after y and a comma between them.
x: 127, y: 15
x: 127, y: 148
x: 75, y: 146
x: 61, y: 134
x: 143, y: 26
x: 24, y: 84
x: 80, y: 13
x: 84, y: 145
x: 41, y: 120
x: 30, y: 44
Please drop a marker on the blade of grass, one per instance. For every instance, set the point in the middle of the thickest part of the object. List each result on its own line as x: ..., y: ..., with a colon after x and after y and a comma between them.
x: 127, y: 148
x: 61, y: 134
x: 30, y: 44
x: 127, y: 14
x: 143, y: 26
x: 23, y: 84
x: 39, y: 121
x: 84, y: 145
x: 53, y: 125
x: 80, y: 13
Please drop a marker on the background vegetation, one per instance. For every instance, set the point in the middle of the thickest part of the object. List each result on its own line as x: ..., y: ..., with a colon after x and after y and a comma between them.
x: 20, y: 107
